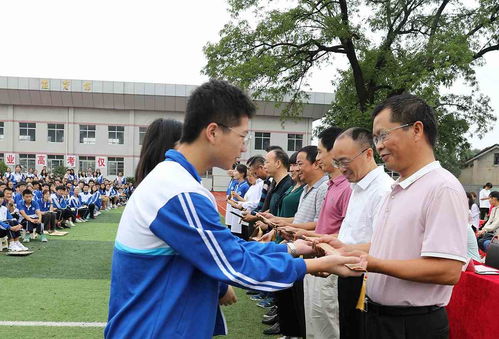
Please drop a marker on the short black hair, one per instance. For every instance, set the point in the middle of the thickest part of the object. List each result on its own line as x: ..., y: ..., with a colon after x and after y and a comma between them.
x: 310, y: 151
x: 292, y: 158
x: 21, y: 183
x: 26, y: 192
x: 86, y: 185
x: 60, y: 187
x: 360, y: 135
x: 8, y: 189
x: 215, y: 101
x: 1, y: 194
x: 273, y: 148
x: 256, y: 160
x: 488, y: 185
x: 407, y: 109
x: 328, y: 136
x: 494, y: 194
x: 281, y: 156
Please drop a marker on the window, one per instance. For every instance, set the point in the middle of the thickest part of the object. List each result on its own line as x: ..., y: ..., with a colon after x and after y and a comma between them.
x: 208, y: 173
x: 85, y: 163
x: 262, y: 140
x: 1, y: 130
x: 116, y: 134
x: 54, y: 161
x: 496, y: 158
x: 27, y: 131
x: 1, y: 157
x: 55, y: 132
x: 115, y: 165
x: 295, y: 142
x: 87, y: 134
x: 142, y: 134
x: 27, y: 161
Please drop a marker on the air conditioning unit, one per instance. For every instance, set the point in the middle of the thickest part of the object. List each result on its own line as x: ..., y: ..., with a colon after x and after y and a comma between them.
x: 89, y: 140
x: 24, y: 137
x: 114, y: 141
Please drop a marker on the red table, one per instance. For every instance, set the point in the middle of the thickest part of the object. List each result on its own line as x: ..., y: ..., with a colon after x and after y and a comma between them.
x: 473, y: 308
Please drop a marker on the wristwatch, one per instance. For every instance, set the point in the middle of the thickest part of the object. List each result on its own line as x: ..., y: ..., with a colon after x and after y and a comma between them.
x: 292, y: 249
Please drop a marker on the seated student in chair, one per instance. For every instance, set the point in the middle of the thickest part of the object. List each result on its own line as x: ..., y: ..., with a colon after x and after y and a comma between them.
x: 10, y: 227
x: 49, y: 216
x: 87, y: 201
x: 31, y: 217
x: 80, y: 211
x: 61, y: 204
x: 491, y: 228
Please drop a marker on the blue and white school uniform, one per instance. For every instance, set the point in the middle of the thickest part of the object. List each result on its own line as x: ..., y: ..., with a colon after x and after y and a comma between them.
x: 96, y: 200
x: 120, y: 181
x: 235, y: 222
x: 171, y: 256
x: 228, y: 208
x: 29, y: 210
x: 18, y: 177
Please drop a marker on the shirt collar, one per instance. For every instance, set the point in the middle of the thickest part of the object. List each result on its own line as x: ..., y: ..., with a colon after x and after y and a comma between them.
x: 369, y: 177
x: 173, y: 155
x: 319, y: 182
x: 336, y: 181
x: 417, y: 175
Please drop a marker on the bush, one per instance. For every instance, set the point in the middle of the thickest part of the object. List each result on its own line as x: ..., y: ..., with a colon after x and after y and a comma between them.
x: 130, y: 179
x: 59, y: 171
x: 3, y: 168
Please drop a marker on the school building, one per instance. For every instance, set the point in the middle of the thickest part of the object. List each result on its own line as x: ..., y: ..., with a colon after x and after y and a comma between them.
x: 101, y: 124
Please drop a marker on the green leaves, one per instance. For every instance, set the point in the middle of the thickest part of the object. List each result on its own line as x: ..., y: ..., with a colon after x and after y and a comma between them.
x: 418, y: 46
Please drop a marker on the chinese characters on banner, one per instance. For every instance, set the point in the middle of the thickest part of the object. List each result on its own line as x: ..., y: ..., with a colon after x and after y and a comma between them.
x: 41, y: 160
x: 10, y: 159
x: 71, y: 161
x: 101, y: 162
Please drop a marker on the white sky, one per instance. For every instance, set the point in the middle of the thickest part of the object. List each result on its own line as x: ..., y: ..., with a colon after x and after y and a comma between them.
x: 146, y: 41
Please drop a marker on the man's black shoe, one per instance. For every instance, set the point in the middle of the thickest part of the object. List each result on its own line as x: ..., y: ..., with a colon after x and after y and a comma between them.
x: 273, y: 330
x: 270, y: 320
x: 272, y: 312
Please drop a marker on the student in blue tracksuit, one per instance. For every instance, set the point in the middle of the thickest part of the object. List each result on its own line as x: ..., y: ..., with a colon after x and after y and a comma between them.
x: 86, y: 198
x: 172, y: 256
x: 31, y: 217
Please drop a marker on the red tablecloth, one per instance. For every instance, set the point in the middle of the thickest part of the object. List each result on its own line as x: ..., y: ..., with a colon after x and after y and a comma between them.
x: 474, y: 307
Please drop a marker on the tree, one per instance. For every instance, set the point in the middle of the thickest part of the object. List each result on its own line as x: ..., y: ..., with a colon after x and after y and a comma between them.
x: 59, y: 171
x: 3, y: 168
x: 419, y: 46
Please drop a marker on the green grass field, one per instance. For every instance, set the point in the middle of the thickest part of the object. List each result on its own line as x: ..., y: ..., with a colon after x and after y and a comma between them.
x: 67, y: 280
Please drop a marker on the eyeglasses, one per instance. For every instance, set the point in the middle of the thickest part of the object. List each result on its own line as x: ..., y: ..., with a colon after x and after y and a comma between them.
x: 383, y: 136
x: 246, y: 137
x: 345, y: 162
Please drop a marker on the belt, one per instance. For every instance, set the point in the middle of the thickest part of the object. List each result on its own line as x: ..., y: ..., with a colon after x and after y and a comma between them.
x: 400, y: 311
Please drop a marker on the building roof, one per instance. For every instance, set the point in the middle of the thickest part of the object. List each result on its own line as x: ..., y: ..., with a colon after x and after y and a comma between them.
x: 482, y: 153
x: 125, y: 95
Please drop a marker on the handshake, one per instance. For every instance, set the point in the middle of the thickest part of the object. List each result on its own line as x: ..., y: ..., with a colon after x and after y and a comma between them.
x: 327, y: 255
x: 330, y: 255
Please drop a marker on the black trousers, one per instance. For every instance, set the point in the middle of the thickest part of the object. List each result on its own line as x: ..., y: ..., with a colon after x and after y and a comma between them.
x: 82, y: 212
x: 9, y: 233
x: 434, y: 325
x: 291, y: 310
x: 91, y: 210
x: 350, y: 317
x: 49, y: 219
x: 65, y: 214
x: 29, y: 226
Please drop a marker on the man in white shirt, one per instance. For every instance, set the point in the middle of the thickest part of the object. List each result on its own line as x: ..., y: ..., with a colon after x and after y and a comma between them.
x: 354, y: 156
